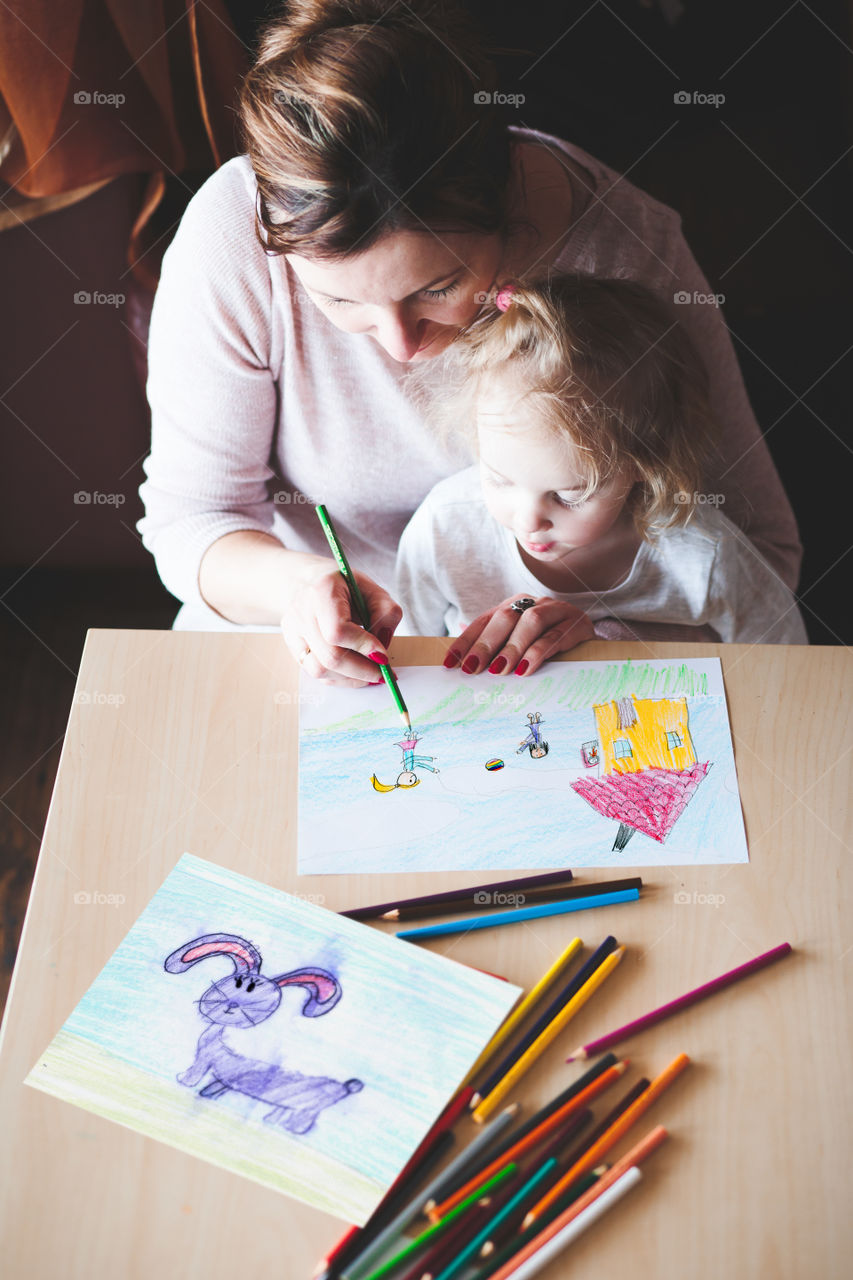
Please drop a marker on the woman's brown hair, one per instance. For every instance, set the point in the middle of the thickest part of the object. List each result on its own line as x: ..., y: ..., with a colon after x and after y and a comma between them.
x: 361, y: 117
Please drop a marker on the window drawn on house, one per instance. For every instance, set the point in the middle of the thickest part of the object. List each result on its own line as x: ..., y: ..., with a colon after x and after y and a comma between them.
x: 673, y: 740
x: 621, y: 748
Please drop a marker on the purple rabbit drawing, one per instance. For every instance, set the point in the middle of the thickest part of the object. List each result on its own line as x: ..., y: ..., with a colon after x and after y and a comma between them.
x: 243, y: 999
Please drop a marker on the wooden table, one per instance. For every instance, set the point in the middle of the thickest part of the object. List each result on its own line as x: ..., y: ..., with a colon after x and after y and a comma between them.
x: 188, y: 742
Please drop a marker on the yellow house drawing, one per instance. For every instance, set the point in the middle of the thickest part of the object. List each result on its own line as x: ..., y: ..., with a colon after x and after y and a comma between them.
x: 644, y: 733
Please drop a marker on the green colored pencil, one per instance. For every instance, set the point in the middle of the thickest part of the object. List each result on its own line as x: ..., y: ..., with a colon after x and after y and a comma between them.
x: 506, y: 1172
x: 359, y: 606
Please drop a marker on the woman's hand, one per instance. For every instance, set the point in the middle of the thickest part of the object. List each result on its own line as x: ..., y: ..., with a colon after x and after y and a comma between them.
x: 319, y: 631
x: 504, y: 641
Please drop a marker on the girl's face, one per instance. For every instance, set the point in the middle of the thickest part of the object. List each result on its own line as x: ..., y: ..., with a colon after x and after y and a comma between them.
x: 532, y: 484
x: 411, y: 292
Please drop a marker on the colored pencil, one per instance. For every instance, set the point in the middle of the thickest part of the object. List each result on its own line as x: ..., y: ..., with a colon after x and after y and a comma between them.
x: 604, y: 1124
x: 644, y: 1148
x: 532, y: 1139
x: 555, y: 1027
x: 508, y: 1171
x: 479, y: 1238
x: 519, y: 915
x: 535, y: 1122
x: 508, y: 1240
x: 356, y: 1239
x: 559, y: 1001
x: 438, y: 1186
x: 386, y: 910
x: 447, y: 1245
x: 524, y: 1006
x: 359, y: 606
x: 592, y: 1156
x: 528, y: 897
x: 682, y: 1002
x: 546, y: 1252
x: 432, y: 1147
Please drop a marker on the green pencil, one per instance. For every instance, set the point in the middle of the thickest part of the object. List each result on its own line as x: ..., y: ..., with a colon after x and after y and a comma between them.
x: 508, y: 1171
x: 359, y: 605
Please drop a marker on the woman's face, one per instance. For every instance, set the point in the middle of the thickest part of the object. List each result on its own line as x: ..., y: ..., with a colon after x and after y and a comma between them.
x: 412, y: 291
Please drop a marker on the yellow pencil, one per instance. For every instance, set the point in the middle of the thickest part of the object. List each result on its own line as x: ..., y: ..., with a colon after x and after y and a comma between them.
x: 555, y: 1026
x: 520, y: 1012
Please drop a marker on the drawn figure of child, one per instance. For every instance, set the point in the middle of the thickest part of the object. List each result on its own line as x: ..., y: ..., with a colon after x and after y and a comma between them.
x: 407, y: 778
x: 534, y: 740
x: 587, y: 406
x: 410, y: 760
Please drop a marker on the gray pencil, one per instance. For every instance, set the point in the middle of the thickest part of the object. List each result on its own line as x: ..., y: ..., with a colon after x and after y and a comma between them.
x: 432, y: 1191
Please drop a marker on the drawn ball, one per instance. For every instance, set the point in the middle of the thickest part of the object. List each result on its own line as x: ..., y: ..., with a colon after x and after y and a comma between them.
x: 491, y: 765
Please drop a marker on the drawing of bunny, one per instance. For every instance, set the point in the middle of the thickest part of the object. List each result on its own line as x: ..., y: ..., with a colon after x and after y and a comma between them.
x: 243, y: 999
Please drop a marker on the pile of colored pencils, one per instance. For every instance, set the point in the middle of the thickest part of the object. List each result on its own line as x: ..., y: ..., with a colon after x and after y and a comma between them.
x: 511, y: 1200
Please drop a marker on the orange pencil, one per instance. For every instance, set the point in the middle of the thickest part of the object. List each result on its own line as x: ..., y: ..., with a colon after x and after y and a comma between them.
x: 530, y: 1140
x: 635, y: 1156
x: 609, y: 1139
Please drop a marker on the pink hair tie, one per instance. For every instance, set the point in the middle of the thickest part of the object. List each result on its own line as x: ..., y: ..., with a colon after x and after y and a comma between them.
x: 504, y: 297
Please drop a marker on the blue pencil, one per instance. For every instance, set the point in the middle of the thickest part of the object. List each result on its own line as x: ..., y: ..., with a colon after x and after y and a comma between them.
x: 521, y: 913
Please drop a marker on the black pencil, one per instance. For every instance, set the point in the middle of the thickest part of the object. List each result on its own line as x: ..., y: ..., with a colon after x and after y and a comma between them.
x: 385, y: 910
x: 522, y: 898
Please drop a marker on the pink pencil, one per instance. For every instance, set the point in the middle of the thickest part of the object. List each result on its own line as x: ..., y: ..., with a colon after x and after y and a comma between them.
x: 683, y: 1002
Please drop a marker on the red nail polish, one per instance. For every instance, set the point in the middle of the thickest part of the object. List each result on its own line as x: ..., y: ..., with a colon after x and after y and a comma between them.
x: 470, y: 665
x: 522, y: 667
x: 451, y: 659
x: 497, y: 666
x: 381, y: 658
x: 385, y: 637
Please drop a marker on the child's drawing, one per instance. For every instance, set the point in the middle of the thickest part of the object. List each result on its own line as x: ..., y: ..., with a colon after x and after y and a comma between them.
x: 319, y: 1080
x: 650, y: 769
x: 657, y: 724
x: 534, y: 742
x: 408, y: 777
x: 243, y: 999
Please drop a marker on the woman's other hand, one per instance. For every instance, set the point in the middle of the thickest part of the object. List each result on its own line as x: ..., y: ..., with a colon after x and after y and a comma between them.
x: 505, y: 642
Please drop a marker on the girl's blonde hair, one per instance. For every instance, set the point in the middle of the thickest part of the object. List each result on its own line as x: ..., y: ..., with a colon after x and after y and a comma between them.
x: 607, y: 365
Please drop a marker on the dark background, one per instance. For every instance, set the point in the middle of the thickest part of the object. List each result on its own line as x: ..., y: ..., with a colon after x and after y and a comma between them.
x: 763, y: 185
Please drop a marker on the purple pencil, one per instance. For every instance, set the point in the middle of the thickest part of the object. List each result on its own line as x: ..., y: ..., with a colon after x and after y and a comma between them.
x: 683, y: 1002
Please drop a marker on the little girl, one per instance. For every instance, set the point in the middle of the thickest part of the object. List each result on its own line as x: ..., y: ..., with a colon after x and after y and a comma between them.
x: 592, y: 423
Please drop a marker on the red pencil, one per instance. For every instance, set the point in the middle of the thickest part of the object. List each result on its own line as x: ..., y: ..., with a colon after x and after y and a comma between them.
x: 682, y: 1002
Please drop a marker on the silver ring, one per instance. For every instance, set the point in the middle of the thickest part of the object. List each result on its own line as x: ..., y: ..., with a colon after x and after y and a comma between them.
x: 522, y: 603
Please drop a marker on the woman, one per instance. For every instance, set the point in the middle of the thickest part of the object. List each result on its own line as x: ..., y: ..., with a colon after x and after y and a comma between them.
x: 380, y: 201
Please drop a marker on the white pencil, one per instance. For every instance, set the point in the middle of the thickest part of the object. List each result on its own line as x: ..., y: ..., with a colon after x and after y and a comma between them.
x: 549, y: 1250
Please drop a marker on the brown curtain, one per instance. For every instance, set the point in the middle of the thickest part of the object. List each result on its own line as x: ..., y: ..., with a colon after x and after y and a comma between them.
x: 93, y: 89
